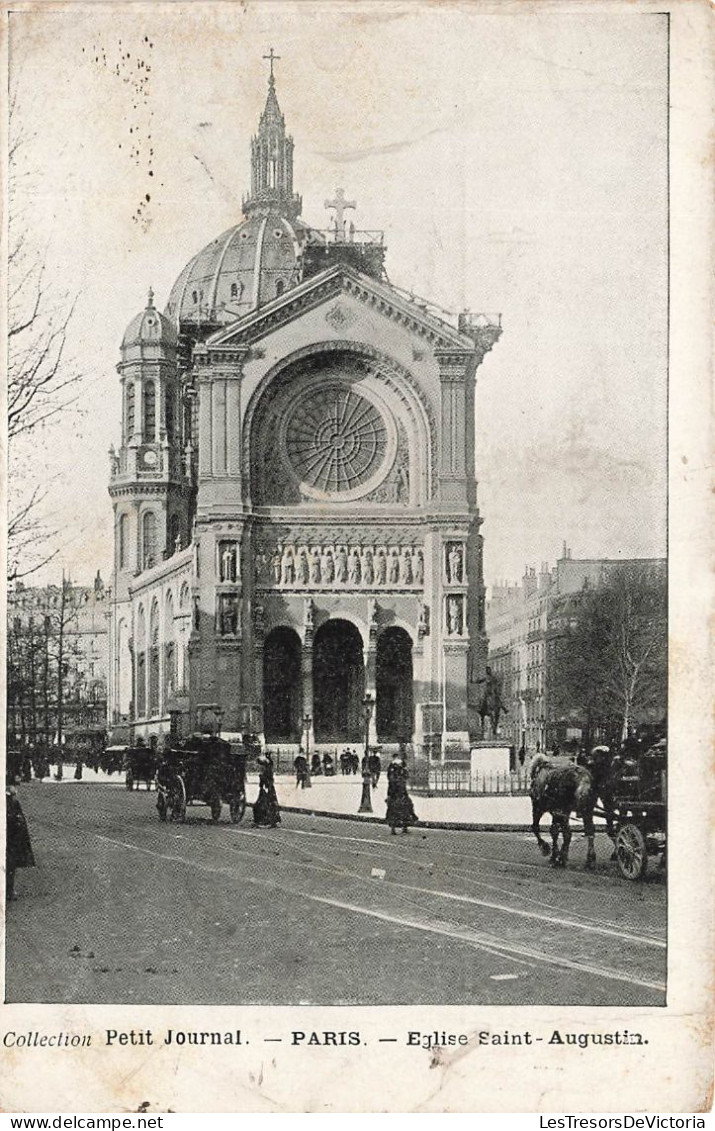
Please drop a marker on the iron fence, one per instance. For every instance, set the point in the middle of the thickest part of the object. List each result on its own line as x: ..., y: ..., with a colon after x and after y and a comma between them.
x: 458, y: 781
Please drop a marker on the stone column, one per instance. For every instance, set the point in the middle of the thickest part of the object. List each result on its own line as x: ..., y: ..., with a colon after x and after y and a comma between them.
x: 455, y: 366
x: 306, y: 676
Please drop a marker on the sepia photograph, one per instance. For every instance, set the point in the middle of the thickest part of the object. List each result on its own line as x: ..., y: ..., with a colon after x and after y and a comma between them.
x: 337, y: 634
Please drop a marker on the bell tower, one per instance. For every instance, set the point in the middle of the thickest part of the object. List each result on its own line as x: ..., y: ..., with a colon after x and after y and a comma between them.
x: 272, y: 160
x: 150, y: 477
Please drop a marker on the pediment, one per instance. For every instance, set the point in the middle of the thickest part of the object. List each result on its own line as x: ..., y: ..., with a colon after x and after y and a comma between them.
x: 327, y: 287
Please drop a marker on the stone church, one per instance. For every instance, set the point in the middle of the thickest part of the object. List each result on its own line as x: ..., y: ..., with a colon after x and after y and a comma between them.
x: 295, y: 501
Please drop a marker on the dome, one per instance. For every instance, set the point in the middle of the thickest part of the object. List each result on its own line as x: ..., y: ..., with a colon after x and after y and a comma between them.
x: 242, y: 269
x: 150, y: 328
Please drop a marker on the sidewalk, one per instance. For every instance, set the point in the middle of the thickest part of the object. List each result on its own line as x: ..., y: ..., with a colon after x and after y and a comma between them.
x: 340, y: 797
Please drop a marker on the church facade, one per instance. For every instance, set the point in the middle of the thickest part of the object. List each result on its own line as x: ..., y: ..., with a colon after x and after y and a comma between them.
x: 295, y: 499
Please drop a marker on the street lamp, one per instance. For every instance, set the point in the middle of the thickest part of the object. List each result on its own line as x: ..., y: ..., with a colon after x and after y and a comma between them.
x: 366, y: 801
x: 307, y: 720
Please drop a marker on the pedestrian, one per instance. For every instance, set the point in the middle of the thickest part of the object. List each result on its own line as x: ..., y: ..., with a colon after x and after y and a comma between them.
x: 315, y: 767
x: 266, y: 810
x: 18, y: 847
x: 522, y: 753
x: 400, y: 811
x: 300, y: 766
x: 375, y: 766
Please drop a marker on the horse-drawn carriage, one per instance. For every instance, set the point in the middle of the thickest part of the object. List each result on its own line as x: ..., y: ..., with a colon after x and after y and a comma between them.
x: 140, y: 763
x: 638, y: 808
x: 205, y: 771
x: 631, y: 791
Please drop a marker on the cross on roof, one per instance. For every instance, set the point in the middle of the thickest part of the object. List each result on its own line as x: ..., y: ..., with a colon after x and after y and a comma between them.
x: 340, y: 204
x: 272, y: 59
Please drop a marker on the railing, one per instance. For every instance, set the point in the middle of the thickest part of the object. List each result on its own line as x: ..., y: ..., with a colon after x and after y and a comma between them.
x: 457, y: 781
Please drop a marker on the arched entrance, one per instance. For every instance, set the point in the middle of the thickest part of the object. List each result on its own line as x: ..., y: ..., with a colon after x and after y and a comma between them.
x: 281, y: 686
x: 394, y: 709
x: 338, y: 682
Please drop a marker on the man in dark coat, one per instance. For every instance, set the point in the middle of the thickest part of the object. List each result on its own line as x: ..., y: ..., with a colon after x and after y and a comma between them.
x: 18, y: 847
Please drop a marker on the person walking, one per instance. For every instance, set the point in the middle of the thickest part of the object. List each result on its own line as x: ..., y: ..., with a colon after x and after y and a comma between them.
x: 400, y: 811
x: 300, y: 766
x: 18, y: 847
x: 266, y: 810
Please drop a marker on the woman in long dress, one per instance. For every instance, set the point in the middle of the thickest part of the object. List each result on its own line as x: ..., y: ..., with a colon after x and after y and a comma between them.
x: 400, y: 811
x: 18, y: 847
x: 266, y: 810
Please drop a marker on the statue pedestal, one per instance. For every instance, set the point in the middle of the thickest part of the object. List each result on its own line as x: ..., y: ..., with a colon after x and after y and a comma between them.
x: 490, y: 758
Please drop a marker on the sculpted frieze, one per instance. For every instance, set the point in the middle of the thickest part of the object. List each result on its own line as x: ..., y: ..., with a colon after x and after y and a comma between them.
x: 339, y: 566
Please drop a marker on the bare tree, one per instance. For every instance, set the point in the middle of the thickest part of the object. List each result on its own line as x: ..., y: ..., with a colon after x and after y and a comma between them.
x: 608, y: 665
x: 42, y: 383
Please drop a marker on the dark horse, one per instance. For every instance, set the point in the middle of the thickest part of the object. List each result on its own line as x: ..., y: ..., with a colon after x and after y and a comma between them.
x: 561, y: 788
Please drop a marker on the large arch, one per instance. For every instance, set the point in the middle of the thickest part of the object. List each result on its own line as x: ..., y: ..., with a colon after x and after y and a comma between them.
x: 381, y: 379
x: 282, y: 685
x: 123, y: 695
x: 169, y: 676
x: 394, y: 707
x: 338, y: 682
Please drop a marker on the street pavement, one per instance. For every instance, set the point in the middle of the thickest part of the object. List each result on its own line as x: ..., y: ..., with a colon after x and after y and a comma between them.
x: 122, y: 908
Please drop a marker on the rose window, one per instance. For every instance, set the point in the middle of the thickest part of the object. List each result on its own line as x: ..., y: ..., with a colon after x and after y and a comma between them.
x: 336, y: 440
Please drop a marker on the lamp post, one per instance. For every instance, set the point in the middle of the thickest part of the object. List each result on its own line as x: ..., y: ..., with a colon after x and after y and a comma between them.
x: 366, y: 801
x: 307, y: 720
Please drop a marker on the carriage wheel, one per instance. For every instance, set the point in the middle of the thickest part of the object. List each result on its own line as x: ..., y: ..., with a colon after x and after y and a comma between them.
x: 177, y: 800
x: 238, y: 808
x: 161, y: 805
x: 631, y: 851
x: 216, y: 809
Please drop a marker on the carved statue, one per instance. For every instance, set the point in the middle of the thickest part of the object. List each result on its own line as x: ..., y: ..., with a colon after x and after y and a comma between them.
x: 380, y: 567
x: 341, y: 565
x: 406, y: 567
x: 394, y: 568
x: 259, y: 618
x: 354, y: 570
x: 309, y: 612
x: 454, y: 563
x: 402, y: 485
x: 328, y: 568
x: 287, y: 568
x: 277, y: 564
x: 367, y: 570
x: 492, y: 703
x: 420, y: 568
x: 454, y: 616
x: 303, y: 568
x: 315, y: 574
x: 228, y: 615
x: 423, y: 622
x: 228, y: 562
x: 197, y: 613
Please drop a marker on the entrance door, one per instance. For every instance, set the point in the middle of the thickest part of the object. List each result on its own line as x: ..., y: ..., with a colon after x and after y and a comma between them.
x: 338, y: 682
x: 394, y: 710
x: 281, y: 686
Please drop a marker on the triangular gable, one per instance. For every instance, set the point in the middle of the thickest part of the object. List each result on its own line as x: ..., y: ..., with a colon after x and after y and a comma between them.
x: 320, y: 288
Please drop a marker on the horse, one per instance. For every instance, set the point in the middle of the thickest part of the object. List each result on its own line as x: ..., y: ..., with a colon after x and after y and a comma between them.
x: 559, y: 787
x: 491, y: 704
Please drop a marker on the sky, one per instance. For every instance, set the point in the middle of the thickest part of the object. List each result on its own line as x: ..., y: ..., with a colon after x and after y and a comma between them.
x: 517, y: 163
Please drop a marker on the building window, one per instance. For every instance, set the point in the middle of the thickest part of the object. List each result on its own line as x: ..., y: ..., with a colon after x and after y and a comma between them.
x: 149, y: 540
x: 130, y: 411
x: 169, y: 413
x: 122, y: 542
x: 149, y: 411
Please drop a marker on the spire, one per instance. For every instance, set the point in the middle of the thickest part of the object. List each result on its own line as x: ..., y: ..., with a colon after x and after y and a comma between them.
x: 272, y: 158
x: 150, y: 299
